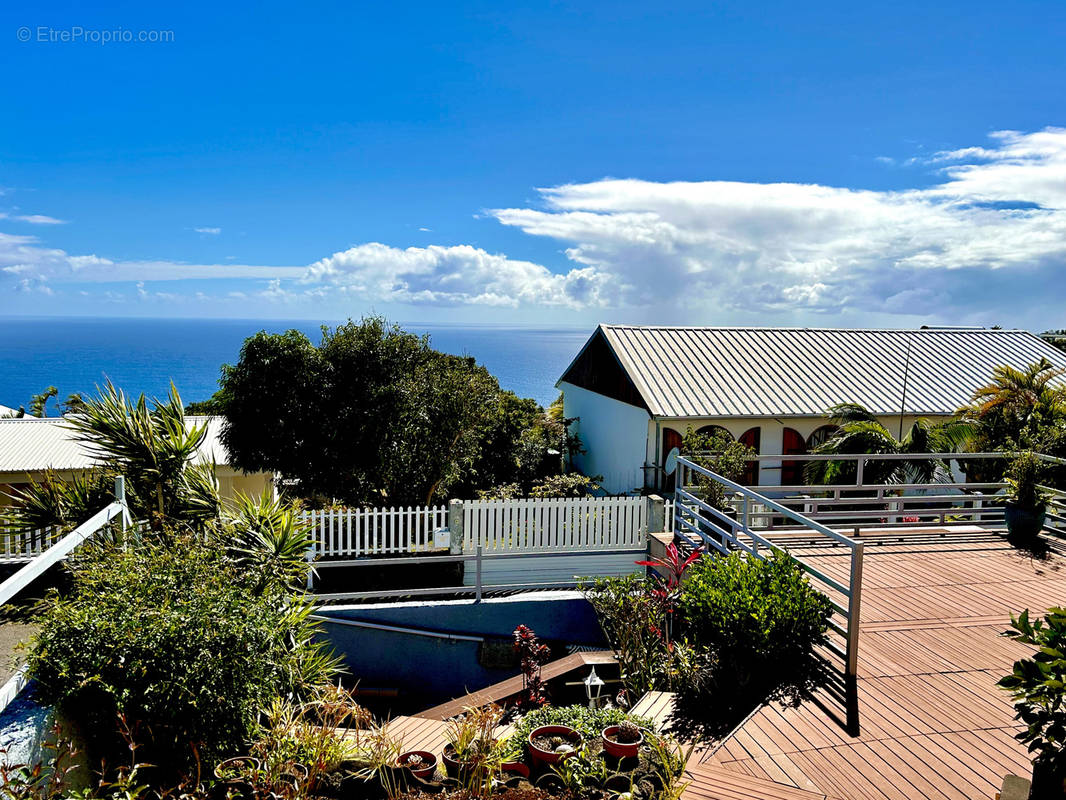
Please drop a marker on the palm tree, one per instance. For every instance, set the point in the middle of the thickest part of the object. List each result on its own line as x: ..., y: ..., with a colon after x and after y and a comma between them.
x: 859, y: 433
x: 1016, y: 403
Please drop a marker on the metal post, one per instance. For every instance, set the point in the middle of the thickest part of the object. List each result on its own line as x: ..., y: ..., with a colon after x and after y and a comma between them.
x: 859, y: 471
x: 851, y: 668
x: 477, y: 578
x: 311, y: 560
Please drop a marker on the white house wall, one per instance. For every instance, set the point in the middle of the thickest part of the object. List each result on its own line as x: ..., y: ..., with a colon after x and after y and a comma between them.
x: 614, y: 434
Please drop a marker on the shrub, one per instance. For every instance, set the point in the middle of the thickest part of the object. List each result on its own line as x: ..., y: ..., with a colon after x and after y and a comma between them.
x: 171, y: 635
x: 761, y: 621
x: 1037, y: 686
x: 632, y: 619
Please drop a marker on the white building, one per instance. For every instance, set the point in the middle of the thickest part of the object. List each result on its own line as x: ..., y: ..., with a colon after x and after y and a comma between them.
x: 634, y: 390
x: 30, y: 447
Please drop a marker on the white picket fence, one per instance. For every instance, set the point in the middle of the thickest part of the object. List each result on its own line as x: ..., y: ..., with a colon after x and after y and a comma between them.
x: 353, y: 532
x: 563, y: 523
x: 18, y: 547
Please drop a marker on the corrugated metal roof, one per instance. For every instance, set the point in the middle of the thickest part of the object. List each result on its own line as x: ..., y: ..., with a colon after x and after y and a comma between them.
x: 731, y: 372
x: 30, y: 445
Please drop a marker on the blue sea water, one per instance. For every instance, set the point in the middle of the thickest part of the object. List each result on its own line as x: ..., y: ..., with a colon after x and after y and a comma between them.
x: 145, y: 355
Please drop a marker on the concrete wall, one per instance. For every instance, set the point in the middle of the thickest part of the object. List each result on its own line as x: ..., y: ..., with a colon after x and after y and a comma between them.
x: 614, y: 433
x: 430, y: 670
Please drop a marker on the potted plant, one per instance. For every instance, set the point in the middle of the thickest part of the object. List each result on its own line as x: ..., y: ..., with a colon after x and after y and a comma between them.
x: 716, y: 451
x: 422, y: 763
x: 549, y: 744
x: 1037, y: 686
x: 622, y: 740
x: 1026, y: 506
x: 470, y: 742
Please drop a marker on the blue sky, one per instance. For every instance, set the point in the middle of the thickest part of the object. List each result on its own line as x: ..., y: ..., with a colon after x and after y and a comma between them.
x: 720, y: 163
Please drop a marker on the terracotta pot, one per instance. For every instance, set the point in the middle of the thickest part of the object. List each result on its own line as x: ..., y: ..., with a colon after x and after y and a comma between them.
x: 515, y: 769
x: 547, y: 756
x: 453, y: 767
x: 429, y: 763
x: 619, y: 749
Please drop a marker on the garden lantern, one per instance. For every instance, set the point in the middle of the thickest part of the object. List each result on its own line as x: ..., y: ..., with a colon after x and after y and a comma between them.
x: 593, y: 688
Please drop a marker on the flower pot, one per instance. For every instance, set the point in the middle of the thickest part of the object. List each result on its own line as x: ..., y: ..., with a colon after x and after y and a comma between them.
x: 455, y: 767
x: 542, y: 755
x: 427, y: 768
x: 514, y: 769
x: 1049, y: 779
x: 551, y: 783
x: 618, y: 783
x: 612, y: 747
x: 1023, y: 523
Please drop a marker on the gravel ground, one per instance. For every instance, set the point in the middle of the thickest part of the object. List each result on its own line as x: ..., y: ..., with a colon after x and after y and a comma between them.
x: 11, y: 633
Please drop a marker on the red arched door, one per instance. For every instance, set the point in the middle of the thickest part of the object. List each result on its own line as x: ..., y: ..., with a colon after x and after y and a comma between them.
x: 792, y: 445
x: 671, y: 439
x: 751, y: 438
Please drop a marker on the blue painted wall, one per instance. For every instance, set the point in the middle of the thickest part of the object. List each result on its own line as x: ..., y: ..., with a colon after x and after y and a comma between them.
x: 430, y: 670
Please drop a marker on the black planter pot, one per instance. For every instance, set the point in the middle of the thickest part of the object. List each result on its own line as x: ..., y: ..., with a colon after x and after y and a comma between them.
x: 1049, y: 781
x: 716, y: 528
x: 1023, y: 524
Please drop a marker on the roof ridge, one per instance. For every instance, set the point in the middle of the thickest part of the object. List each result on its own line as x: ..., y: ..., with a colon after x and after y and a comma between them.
x: 793, y: 328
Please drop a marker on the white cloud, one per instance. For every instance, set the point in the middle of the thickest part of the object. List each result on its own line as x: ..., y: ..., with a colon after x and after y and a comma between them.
x: 988, y: 235
x: 39, y: 219
x: 998, y: 219
x: 210, y: 231
x: 459, y: 275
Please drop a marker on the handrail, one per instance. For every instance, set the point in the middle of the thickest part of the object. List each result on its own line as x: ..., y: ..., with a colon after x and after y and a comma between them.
x: 27, y: 574
x: 687, y: 504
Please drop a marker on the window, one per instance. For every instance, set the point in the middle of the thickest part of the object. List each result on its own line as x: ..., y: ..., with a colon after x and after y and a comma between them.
x: 821, y: 436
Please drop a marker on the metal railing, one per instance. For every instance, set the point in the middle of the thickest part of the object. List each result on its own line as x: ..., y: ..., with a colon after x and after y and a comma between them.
x: 478, y: 558
x: 62, y: 548
x: 863, y: 503
x: 700, y: 523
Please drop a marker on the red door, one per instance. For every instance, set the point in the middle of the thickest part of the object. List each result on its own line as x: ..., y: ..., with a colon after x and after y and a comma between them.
x: 751, y: 438
x: 792, y: 471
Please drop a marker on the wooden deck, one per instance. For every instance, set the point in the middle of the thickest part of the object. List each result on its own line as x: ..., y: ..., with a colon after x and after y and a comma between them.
x: 932, y: 722
x: 512, y: 686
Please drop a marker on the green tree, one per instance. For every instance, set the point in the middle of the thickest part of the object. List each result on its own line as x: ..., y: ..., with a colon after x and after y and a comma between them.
x: 39, y: 402
x: 372, y: 416
x: 859, y: 432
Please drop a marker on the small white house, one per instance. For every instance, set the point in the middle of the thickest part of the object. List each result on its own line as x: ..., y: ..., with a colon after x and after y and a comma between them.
x: 31, y: 446
x: 634, y: 390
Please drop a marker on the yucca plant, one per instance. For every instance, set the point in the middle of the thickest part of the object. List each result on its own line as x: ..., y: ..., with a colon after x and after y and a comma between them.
x: 266, y: 535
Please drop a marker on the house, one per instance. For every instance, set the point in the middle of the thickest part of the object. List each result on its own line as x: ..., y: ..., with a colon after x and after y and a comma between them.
x: 634, y: 390
x: 31, y: 446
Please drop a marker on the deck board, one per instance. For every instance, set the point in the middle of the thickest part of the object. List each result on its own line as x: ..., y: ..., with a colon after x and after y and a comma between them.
x: 932, y: 721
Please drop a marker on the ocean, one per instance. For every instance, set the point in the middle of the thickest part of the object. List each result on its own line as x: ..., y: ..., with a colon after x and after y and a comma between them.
x: 145, y: 355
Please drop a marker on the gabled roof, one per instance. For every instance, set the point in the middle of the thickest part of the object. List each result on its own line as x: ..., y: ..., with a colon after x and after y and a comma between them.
x: 790, y: 372
x: 32, y: 444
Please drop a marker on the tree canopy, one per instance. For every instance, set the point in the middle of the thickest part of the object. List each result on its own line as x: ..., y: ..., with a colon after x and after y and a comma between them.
x: 373, y: 415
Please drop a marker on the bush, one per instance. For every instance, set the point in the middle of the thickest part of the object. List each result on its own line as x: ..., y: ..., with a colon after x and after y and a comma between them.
x: 176, y: 638
x: 760, y: 620
x: 1037, y: 686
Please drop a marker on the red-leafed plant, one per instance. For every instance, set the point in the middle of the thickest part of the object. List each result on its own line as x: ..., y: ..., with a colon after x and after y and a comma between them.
x: 667, y: 587
x: 533, y: 655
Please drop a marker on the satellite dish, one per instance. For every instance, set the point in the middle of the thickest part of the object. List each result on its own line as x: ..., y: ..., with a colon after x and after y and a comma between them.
x: 671, y: 461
